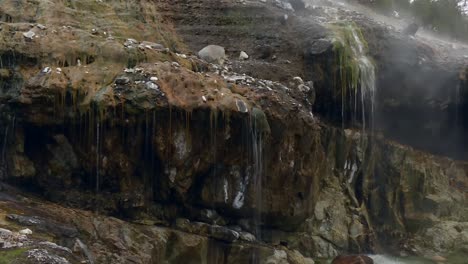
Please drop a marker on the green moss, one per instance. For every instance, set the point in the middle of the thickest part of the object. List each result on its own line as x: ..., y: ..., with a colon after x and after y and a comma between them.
x: 346, y: 72
x: 8, y: 256
x: 260, y: 121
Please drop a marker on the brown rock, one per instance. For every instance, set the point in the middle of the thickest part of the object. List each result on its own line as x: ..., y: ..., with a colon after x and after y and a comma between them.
x: 352, y: 259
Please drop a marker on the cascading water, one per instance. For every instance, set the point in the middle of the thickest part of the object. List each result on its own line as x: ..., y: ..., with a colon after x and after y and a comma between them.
x: 5, y: 141
x: 258, y: 125
x: 259, y: 128
x: 257, y: 152
x: 357, y: 74
x: 98, y: 154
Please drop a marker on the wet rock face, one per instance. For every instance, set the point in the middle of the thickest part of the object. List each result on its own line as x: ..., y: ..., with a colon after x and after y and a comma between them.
x: 127, y: 127
x: 418, y: 88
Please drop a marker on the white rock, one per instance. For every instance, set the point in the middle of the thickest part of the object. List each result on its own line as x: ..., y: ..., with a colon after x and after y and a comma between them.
x: 284, y: 5
x: 26, y: 231
x: 42, y: 27
x: 241, y: 106
x: 154, y: 79
x: 132, y: 41
x: 213, y: 54
x: 55, y: 246
x: 247, y: 236
x: 303, y: 88
x: 204, y: 98
x: 29, y: 35
x: 46, y: 70
x: 183, y: 56
x: 152, y: 86
x: 152, y: 45
x: 243, y: 55
x: 5, y: 232
x: 298, y: 80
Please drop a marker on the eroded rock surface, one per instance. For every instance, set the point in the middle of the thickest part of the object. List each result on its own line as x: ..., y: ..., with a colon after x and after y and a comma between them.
x: 211, y: 163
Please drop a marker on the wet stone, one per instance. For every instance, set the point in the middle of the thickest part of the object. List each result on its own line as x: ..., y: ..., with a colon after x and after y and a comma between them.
x: 241, y: 106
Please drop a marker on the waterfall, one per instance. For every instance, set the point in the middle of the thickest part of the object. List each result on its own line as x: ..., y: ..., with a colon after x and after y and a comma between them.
x: 5, y: 141
x: 98, y: 154
x: 257, y: 173
x: 366, y: 77
x: 257, y: 152
x: 357, y: 74
x: 259, y: 127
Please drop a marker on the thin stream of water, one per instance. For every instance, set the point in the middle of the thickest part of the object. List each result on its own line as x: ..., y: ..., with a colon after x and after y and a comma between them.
x: 366, y: 77
x: 98, y: 154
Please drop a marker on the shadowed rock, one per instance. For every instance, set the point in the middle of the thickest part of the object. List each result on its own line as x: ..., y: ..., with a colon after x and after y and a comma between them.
x: 411, y: 29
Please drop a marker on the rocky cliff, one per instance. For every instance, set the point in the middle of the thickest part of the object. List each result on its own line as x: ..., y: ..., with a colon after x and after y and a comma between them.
x: 146, y: 153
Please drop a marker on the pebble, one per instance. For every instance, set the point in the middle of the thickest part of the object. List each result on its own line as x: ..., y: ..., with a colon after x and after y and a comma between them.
x: 154, y: 79
x: 204, y: 98
x: 42, y: 27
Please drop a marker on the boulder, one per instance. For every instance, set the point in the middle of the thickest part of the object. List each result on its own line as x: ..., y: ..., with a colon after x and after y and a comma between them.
x: 411, y: 29
x: 213, y: 54
x: 352, y: 259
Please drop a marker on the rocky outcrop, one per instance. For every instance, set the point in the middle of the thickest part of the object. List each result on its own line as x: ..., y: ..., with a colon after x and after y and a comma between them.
x: 203, y: 157
x: 99, y: 239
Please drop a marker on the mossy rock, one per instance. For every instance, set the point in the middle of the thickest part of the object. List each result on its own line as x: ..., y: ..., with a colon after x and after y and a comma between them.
x: 260, y: 122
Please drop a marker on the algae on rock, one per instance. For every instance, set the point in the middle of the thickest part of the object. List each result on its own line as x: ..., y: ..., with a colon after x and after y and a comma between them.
x: 354, y: 74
